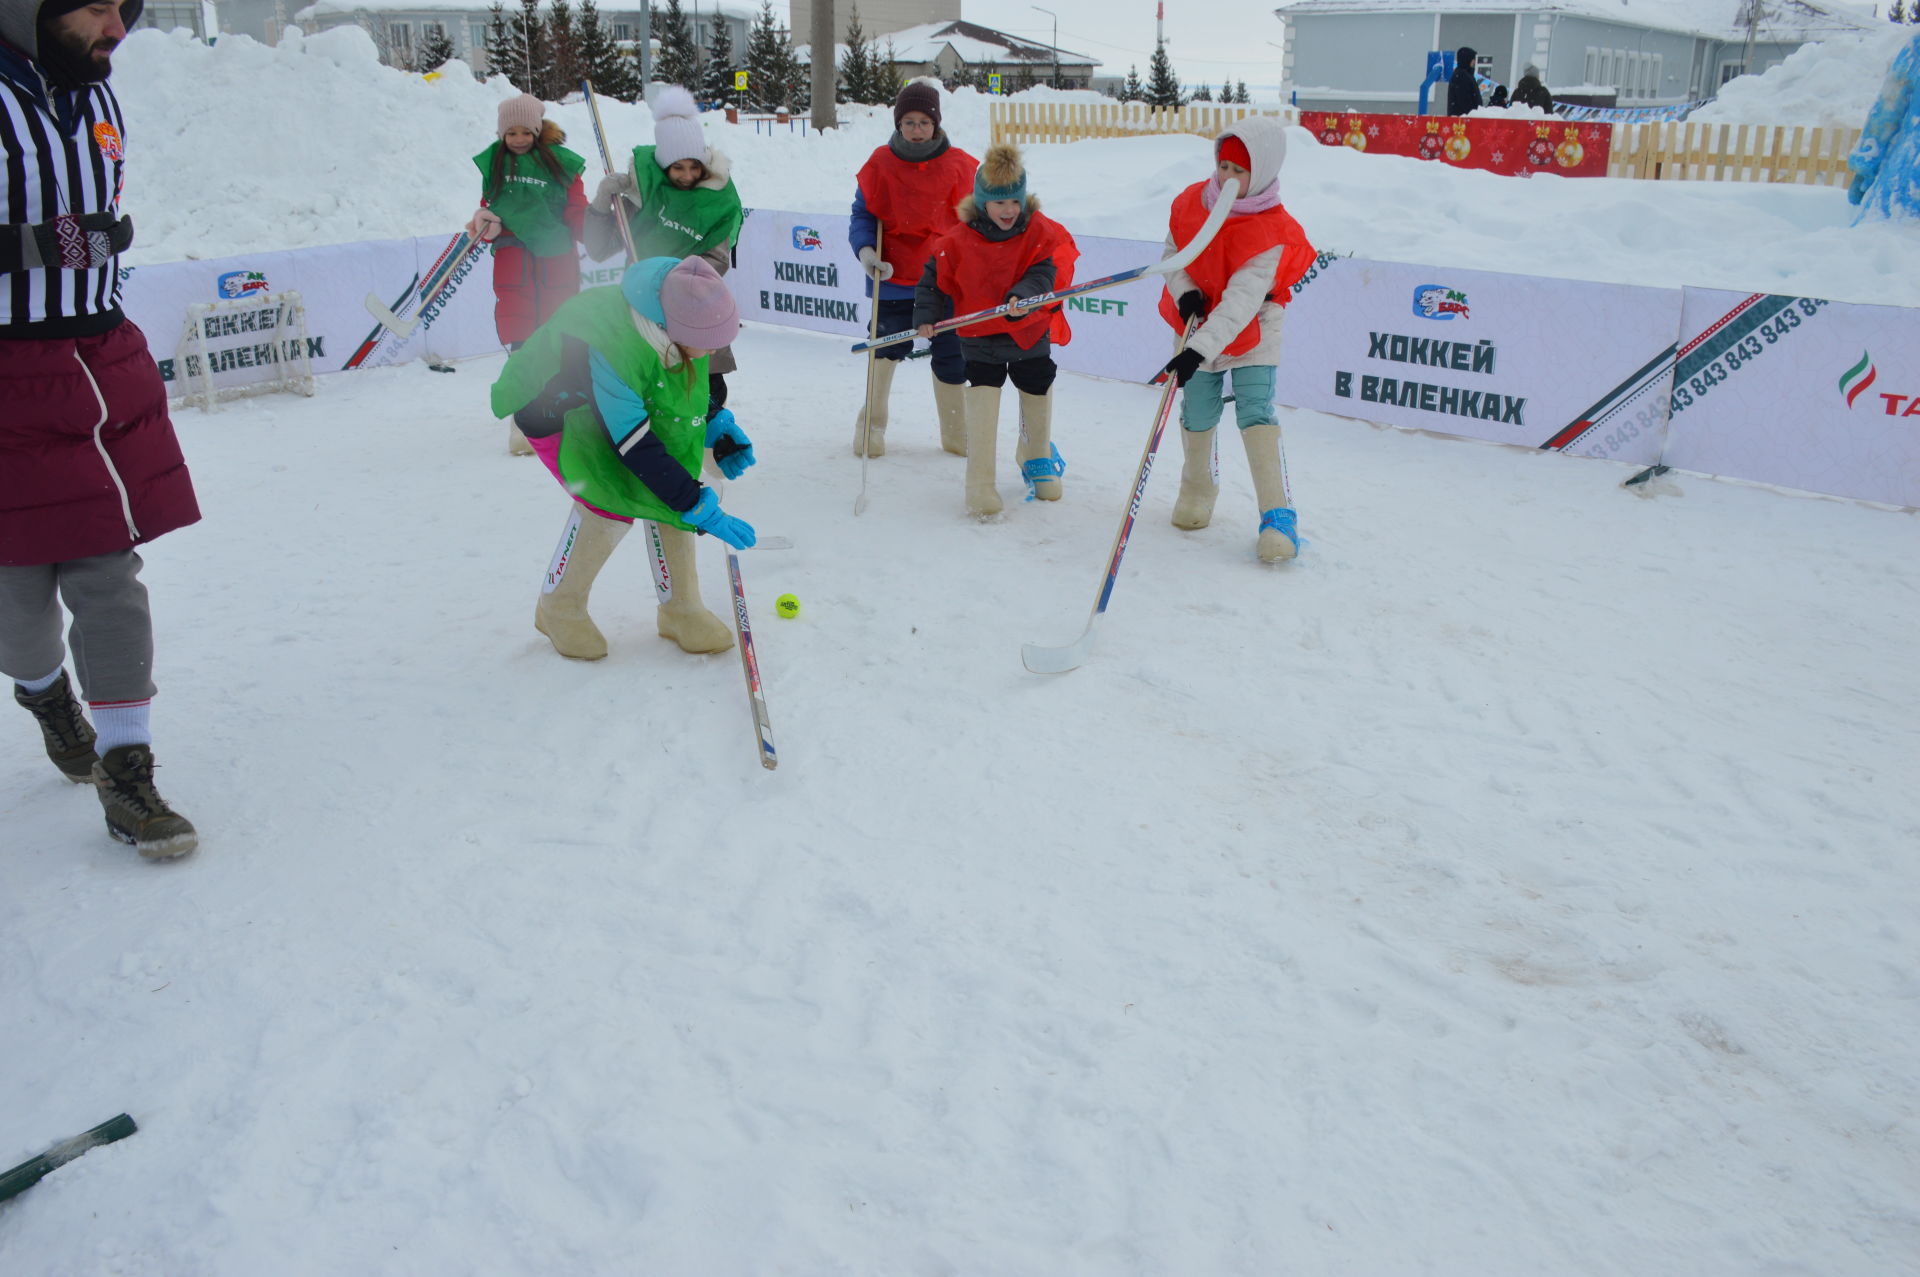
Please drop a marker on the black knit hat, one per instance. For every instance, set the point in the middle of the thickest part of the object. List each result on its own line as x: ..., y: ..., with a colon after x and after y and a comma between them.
x: 129, y: 9
x: 918, y: 96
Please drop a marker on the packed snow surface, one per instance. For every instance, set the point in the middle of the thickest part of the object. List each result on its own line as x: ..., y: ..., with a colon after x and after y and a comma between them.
x: 1522, y: 882
x: 1827, y: 85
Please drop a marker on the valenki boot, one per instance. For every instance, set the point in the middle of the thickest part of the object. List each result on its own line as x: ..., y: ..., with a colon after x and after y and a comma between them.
x: 951, y: 401
x: 870, y: 424
x: 517, y: 445
x: 1040, y: 463
x: 983, y: 428
x: 64, y: 729
x: 136, y: 814
x: 683, y: 617
x: 561, y: 614
x: 1279, y: 536
x: 1199, y: 485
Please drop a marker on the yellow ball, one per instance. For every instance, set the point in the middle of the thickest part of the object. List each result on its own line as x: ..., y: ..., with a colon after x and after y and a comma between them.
x: 787, y: 605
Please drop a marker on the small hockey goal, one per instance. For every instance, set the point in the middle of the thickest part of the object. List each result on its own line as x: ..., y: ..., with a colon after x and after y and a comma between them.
x: 255, y: 345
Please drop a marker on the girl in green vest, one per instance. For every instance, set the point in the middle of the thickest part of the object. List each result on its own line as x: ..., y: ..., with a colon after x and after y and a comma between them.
x: 532, y: 203
x: 679, y: 200
x: 612, y: 395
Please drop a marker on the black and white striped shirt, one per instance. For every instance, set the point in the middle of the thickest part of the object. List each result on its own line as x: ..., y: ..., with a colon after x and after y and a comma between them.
x: 63, y: 154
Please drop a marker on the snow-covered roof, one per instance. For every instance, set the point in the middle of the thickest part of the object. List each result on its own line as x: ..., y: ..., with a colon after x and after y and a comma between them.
x: 971, y: 43
x: 1717, y: 19
x: 481, y: 8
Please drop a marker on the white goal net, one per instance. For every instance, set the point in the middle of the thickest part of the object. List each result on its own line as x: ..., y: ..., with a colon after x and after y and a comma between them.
x: 254, y: 345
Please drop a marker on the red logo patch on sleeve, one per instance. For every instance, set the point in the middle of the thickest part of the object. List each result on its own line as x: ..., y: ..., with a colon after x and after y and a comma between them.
x: 107, y: 138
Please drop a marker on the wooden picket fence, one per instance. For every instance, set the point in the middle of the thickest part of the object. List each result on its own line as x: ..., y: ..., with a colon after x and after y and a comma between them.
x: 1019, y: 122
x: 1732, y: 153
x: 1665, y: 152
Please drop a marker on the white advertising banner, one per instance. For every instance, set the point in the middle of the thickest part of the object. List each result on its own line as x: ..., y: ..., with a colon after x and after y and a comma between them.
x: 1544, y: 363
x: 335, y: 283
x: 1823, y: 396
x: 797, y: 269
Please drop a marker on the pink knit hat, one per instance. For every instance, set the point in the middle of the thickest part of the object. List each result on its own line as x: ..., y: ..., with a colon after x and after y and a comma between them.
x: 699, y: 309
x: 523, y: 112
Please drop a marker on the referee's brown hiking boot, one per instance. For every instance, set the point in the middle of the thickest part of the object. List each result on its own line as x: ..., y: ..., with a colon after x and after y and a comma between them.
x: 68, y: 734
x: 136, y: 813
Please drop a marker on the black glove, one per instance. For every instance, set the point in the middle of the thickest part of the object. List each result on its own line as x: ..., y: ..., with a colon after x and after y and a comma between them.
x: 1192, y: 304
x: 1183, y: 365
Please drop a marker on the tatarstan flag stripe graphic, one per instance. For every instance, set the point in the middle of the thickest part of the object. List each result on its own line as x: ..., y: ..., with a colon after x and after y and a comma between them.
x: 1855, y: 380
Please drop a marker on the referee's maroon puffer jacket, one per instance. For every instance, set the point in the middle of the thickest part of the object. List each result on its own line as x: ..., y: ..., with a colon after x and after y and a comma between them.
x: 88, y: 459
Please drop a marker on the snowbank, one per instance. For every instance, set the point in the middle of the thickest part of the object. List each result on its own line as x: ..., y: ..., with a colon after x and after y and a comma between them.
x: 387, y: 154
x: 1826, y: 85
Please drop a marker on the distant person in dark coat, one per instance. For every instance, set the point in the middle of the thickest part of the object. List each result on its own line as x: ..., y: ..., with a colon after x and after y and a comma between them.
x: 1463, y: 94
x: 1530, y: 92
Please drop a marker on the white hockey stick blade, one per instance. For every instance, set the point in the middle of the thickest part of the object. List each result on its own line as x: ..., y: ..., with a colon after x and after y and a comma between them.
x: 773, y: 543
x: 1058, y: 660
x: 402, y: 328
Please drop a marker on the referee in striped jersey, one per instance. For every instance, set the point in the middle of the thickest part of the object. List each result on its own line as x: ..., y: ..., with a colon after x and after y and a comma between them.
x: 90, y: 469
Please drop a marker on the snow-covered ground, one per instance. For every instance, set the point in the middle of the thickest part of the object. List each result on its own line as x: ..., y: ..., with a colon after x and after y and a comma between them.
x: 1519, y: 883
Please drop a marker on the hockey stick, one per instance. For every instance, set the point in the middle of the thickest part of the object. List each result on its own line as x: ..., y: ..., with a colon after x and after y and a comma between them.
x: 418, y: 302
x: 606, y: 166
x: 34, y: 1169
x: 866, y: 417
x: 1165, y: 266
x: 1058, y: 660
x: 750, y: 663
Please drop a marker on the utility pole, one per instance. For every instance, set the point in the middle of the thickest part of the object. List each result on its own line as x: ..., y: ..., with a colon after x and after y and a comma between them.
x: 1056, y: 41
x: 826, y: 74
x: 1752, y: 18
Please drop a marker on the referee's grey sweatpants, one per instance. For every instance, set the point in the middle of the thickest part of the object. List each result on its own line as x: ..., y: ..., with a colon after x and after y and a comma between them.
x: 111, y: 634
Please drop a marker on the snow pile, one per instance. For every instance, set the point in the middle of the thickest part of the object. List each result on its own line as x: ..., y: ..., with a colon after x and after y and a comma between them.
x: 389, y: 156
x: 1830, y: 84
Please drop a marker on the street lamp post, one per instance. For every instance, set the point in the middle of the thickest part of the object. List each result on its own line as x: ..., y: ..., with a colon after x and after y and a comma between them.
x: 1056, y: 41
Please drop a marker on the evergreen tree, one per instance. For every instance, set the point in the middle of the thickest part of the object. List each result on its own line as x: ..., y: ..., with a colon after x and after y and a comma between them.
x: 886, y: 78
x: 1163, y: 86
x: 497, y: 40
x: 1240, y: 94
x: 856, y: 64
x: 717, y: 85
x: 528, y: 62
x: 1021, y: 78
x: 770, y: 66
x: 436, y: 50
x: 1897, y: 11
x: 1205, y: 94
x: 601, y: 60
x: 1132, y: 90
x: 563, y: 40
x: 679, y: 60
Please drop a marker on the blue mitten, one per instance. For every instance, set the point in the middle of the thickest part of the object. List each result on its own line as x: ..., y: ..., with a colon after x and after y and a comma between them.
x: 707, y: 516
x: 732, y: 450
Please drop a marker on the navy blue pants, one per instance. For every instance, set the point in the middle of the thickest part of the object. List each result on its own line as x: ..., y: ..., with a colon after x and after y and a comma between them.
x: 896, y: 315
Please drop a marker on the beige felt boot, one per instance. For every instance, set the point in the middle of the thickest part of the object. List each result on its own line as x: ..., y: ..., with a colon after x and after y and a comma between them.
x: 1193, y: 508
x: 1038, y: 464
x: 983, y: 428
x: 517, y: 445
x: 683, y: 617
x: 1278, y: 538
x: 561, y: 614
x: 870, y: 425
x: 951, y: 401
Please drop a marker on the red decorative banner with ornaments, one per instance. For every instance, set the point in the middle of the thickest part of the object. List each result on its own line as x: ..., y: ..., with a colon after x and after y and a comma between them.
x: 1523, y: 147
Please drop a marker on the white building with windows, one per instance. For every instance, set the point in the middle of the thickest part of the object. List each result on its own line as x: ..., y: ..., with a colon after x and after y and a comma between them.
x: 1370, y: 55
